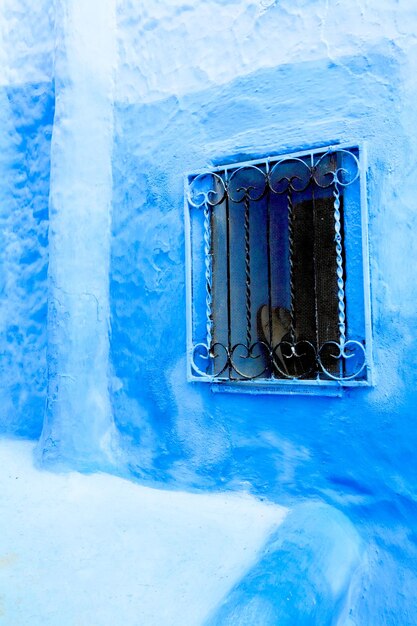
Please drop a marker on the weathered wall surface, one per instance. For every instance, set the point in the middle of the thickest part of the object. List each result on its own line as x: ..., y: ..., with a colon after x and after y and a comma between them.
x: 26, y: 117
x: 200, y: 84
x: 196, y: 84
x: 78, y: 422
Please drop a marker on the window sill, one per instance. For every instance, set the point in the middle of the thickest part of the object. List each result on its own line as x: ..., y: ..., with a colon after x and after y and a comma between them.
x: 325, y: 388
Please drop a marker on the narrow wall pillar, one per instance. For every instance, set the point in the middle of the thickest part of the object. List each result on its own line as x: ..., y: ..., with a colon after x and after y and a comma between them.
x: 78, y: 425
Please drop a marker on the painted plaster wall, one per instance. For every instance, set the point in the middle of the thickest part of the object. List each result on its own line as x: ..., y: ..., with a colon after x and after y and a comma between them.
x: 200, y: 84
x: 26, y: 117
x: 189, y: 86
x: 78, y: 426
x: 98, y: 549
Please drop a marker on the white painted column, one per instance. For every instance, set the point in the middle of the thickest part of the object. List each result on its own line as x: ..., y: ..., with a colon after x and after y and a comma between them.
x: 79, y: 427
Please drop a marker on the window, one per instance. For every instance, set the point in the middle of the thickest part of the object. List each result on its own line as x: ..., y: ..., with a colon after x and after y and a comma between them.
x: 277, y: 272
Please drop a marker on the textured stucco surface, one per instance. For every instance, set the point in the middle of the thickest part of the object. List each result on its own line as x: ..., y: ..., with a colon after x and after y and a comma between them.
x: 176, y: 47
x: 26, y: 117
x: 159, y: 90
x: 211, y: 82
x: 78, y: 421
x: 97, y: 549
x: 26, y: 42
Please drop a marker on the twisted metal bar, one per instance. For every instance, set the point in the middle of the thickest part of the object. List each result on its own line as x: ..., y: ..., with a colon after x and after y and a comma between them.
x: 291, y: 219
x: 247, y: 273
x: 288, y: 359
x: 268, y: 254
x: 208, y: 275
x: 339, y: 269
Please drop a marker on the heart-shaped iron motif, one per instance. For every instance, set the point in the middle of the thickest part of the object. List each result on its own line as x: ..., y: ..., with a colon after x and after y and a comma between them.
x: 200, y: 360
x: 250, y: 361
x: 220, y: 356
x: 294, y: 360
x: 342, y: 352
x: 210, y: 362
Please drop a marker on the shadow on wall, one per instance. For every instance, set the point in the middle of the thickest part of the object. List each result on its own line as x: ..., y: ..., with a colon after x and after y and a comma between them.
x: 26, y: 119
x: 155, y: 143
x: 304, y: 575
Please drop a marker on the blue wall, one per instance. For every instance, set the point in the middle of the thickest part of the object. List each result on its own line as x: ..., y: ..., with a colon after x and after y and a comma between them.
x: 26, y: 117
x: 354, y: 453
x: 346, y: 554
x: 344, y: 465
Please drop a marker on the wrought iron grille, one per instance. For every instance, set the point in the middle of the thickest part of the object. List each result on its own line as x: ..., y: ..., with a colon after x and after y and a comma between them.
x: 277, y: 272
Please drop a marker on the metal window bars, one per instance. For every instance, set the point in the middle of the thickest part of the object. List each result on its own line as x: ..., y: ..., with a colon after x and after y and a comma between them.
x: 264, y: 340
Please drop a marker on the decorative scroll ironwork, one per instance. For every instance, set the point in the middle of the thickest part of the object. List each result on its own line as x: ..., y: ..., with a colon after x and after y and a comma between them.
x: 279, y: 352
